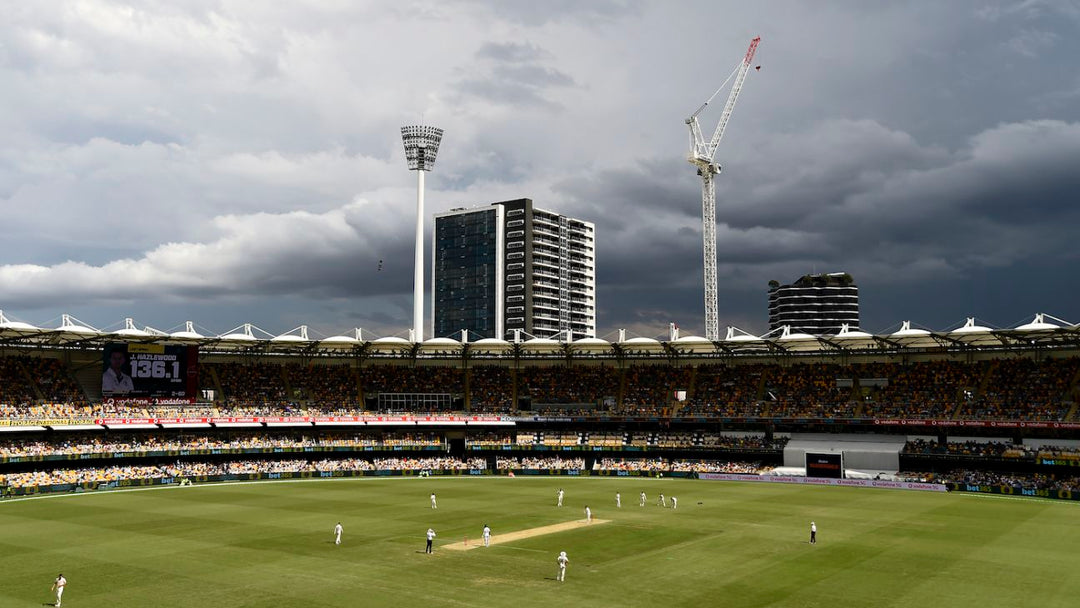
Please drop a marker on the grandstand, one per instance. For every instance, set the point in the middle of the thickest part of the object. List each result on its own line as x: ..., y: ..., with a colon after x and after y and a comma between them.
x: 953, y: 406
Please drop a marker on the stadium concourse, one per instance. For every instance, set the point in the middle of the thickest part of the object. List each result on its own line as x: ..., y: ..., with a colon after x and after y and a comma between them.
x: 995, y: 411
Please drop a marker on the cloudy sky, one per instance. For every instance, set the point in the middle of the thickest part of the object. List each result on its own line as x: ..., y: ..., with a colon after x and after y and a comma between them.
x: 229, y: 161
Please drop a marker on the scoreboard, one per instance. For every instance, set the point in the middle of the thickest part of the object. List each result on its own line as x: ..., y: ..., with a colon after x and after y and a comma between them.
x: 825, y: 465
x: 150, y: 371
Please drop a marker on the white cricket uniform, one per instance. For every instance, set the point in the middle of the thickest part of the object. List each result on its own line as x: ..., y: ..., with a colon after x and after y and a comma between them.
x: 59, y: 585
x: 674, y: 503
x: 662, y: 501
x: 487, y: 536
x: 563, y: 560
x: 116, y: 383
x: 434, y: 505
x: 643, y: 499
x: 618, y: 500
x: 588, y: 515
x: 337, y: 534
x: 560, y: 498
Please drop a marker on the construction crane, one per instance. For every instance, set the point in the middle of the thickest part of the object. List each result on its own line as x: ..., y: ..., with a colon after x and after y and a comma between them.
x: 702, y: 155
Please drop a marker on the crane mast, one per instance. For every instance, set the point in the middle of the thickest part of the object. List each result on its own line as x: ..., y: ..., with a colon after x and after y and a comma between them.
x: 702, y: 155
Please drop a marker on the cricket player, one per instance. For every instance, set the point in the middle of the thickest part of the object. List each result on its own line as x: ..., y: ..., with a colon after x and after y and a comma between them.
x: 430, y: 537
x: 560, y: 498
x: 588, y: 514
x: 643, y: 499
x: 674, y: 502
x: 337, y: 533
x: 618, y: 500
x: 487, y: 536
x: 58, y: 586
x: 563, y: 560
x: 434, y: 505
x: 661, y: 501
x: 813, y: 533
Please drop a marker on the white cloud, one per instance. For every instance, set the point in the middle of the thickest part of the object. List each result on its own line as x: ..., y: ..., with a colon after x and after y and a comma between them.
x: 299, y: 252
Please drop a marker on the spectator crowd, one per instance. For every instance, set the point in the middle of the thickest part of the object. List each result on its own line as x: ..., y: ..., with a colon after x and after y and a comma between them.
x: 1019, y: 389
x: 665, y: 465
x: 98, y: 475
x: 552, y: 462
x: 83, y: 444
x: 1039, y: 481
x: 990, y: 449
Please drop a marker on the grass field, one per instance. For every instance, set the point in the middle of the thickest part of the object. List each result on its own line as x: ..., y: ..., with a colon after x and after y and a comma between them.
x: 728, y: 544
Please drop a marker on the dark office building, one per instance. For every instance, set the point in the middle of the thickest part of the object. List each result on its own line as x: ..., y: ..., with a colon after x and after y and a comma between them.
x: 815, y: 304
x: 466, y: 270
x: 513, y: 269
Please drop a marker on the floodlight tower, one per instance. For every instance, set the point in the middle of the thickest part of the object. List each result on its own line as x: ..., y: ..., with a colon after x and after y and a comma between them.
x: 701, y: 155
x: 421, y: 147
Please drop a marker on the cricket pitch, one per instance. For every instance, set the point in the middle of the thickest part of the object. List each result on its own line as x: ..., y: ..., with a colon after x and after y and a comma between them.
x: 510, y: 537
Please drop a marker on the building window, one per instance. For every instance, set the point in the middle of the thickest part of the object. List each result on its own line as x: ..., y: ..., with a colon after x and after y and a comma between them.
x: 515, y: 299
x: 515, y: 266
x: 515, y: 256
x: 514, y: 277
x: 513, y: 212
x: 515, y: 233
x: 516, y: 320
x: 515, y: 309
x: 515, y: 244
x: 515, y: 288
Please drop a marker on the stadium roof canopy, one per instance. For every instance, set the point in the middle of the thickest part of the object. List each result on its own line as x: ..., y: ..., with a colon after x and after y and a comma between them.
x: 641, y: 345
x: 1042, y: 330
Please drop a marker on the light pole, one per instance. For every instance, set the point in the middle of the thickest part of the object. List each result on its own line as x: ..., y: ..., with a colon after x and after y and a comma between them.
x: 421, y: 147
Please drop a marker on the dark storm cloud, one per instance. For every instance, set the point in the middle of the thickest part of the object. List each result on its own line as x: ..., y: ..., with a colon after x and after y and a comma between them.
x: 512, y: 52
x: 874, y: 203
x: 533, y: 13
x: 506, y: 92
x: 532, y: 76
x: 511, y: 74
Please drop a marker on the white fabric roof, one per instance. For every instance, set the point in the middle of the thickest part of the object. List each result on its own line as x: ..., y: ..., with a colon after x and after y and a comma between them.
x: 1042, y: 328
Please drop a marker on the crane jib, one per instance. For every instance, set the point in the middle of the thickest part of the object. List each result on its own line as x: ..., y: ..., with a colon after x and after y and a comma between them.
x: 750, y: 51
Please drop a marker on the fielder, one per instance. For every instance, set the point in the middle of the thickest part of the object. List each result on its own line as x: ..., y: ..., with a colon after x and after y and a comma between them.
x: 487, y: 536
x: 813, y: 533
x: 434, y: 505
x: 430, y: 537
x: 58, y: 586
x: 618, y: 500
x: 588, y: 514
x: 661, y: 501
x: 337, y: 533
x: 674, y: 502
x: 563, y: 560
x: 643, y: 499
x: 560, y: 498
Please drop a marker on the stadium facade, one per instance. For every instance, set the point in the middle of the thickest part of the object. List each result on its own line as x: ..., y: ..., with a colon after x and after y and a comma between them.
x: 512, y: 268
x: 815, y: 304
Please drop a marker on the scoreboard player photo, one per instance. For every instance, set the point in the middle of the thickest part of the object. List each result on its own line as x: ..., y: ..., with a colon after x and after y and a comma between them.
x: 149, y: 371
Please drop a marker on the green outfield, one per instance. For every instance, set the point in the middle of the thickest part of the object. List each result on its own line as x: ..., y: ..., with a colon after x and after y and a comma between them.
x: 728, y: 544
